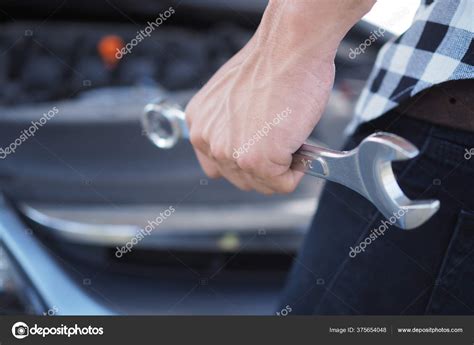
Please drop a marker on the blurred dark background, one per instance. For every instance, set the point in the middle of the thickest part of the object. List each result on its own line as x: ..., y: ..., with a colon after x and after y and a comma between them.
x: 89, y: 178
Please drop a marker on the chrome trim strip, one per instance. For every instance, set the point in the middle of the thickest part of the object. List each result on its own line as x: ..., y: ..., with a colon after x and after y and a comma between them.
x: 53, y: 285
x: 69, y: 223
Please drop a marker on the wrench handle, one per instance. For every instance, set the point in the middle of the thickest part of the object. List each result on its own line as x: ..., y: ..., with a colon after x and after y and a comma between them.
x: 165, y: 124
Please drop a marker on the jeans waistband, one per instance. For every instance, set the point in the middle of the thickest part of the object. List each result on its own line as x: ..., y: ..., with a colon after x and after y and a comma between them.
x: 416, y: 130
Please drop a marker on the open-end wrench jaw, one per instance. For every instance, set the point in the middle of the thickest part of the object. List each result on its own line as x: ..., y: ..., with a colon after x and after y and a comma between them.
x: 367, y: 170
x: 376, y: 154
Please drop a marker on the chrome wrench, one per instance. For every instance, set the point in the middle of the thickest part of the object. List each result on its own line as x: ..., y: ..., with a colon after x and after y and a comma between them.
x: 367, y: 169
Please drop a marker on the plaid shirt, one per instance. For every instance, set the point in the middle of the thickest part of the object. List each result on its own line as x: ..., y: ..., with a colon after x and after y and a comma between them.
x: 436, y: 48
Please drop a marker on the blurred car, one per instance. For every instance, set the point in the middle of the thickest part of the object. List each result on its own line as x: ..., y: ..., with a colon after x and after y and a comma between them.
x: 89, y: 180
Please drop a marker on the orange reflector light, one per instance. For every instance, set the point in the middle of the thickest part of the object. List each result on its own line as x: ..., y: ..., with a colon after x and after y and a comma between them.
x: 108, y: 47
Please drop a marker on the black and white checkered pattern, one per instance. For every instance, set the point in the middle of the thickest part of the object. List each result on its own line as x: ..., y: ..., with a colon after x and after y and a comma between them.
x: 437, y: 47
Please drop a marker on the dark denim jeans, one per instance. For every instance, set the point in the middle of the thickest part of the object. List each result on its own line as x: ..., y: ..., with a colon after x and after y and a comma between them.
x: 427, y: 270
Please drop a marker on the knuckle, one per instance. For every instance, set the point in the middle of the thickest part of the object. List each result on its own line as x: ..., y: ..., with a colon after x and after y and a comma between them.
x: 248, y: 163
x: 219, y: 152
x: 196, y: 139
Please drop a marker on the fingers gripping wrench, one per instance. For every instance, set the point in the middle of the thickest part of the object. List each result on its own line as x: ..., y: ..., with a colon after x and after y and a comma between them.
x: 366, y: 169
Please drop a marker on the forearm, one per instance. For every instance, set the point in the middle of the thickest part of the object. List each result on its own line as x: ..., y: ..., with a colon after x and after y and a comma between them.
x: 316, y: 25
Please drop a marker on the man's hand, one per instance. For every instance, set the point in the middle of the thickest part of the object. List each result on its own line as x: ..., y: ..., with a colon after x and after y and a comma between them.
x: 261, y: 106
